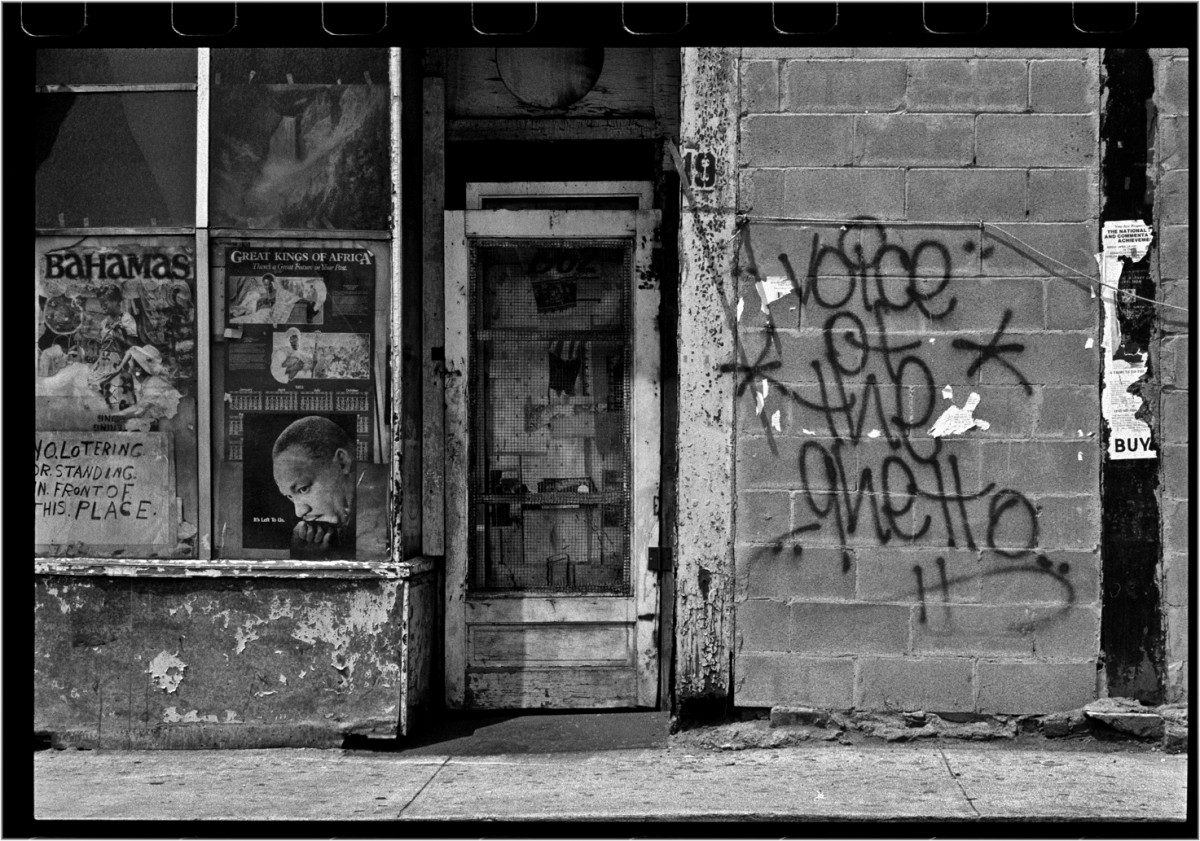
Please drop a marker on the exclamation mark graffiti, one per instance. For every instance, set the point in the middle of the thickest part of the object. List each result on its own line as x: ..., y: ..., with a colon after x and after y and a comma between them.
x: 920, y: 590
x: 941, y: 565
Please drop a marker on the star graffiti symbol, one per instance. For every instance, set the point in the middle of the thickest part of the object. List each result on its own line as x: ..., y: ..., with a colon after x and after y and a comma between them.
x: 991, y: 352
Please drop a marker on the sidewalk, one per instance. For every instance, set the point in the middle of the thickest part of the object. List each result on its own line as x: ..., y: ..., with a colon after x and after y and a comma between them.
x: 907, y: 782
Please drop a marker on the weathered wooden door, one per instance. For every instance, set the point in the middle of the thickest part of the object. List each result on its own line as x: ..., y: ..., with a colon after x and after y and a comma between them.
x: 552, y: 459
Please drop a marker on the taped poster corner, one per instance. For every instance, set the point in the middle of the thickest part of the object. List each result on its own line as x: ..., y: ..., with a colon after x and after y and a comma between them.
x: 772, y: 289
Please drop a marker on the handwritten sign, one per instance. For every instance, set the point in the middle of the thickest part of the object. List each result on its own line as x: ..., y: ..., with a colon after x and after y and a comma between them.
x: 103, y: 488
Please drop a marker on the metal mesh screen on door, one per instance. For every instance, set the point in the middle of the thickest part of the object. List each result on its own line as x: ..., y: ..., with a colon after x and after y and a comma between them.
x: 551, y: 361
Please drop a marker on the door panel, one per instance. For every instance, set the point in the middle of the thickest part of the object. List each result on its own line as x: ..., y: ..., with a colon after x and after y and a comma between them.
x: 552, y: 459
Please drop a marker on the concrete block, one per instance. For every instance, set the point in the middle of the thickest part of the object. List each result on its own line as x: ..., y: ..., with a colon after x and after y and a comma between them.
x: 849, y: 628
x: 1173, y: 254
x: 1068, y: 523
x: 1067, y: 410
x: 773, y: 53
x: 845, y: 193
x: 973, y: 629
x: 1026, y: 688
x: 930, y: 52
x: 1035, y: 140
x: 1036, y: 52
x: 1065, y: 87
x: 1066, y: 632
x: 914, y: 140
x: 760, y: 87
x: 983, y: 301
x: 791, y: 140
x: 1034, y: 358
x: 767, y: 680
x: 763, y: 625
x: 1062, y: 195
x: 1176, y: 520
x: 1172, y: 143
x: 1176, y: 428
x: 1174, y: 470
x: 760, y: 466
x: 1171, y: 86
x: 814, y: 572
x: 889, y: 574
x: 763, y: 517
x: 929, y: 248
x: 973, y: 85
x: 1008, y: 410
x: 760, y: 191
x: 957, y: 194
x: 1174, y: 361
x: 1177, y: 575
x: 1071, y: 305
x: 1063, y: 578
x: 1177, y: 633
x: 851, y: 520
x: 1040, y: 250
x: 1172, y: 197
x: 842, y: 86
x: 916, y: 683
x: 1175, y: 293
x: 805, y: 413
x: 1037, y: 468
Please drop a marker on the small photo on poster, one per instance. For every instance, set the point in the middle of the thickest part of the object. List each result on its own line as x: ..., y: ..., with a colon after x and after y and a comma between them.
x: 322, y: 356
x: 268, y: 299
x: 299, y: 484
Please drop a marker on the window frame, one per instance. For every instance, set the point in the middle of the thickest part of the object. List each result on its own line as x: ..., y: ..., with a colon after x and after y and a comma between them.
x: 204, y: 565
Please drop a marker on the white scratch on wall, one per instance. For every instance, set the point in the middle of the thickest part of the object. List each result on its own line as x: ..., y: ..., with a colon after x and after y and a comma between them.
x: 956, y: 421
x: 166, y: 671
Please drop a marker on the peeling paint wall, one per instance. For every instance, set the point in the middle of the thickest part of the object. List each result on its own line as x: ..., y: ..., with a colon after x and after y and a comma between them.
x: 136, y: 663
x: 704, y: 571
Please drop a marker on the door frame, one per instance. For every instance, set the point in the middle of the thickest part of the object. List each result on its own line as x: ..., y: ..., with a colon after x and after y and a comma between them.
x: 645, y: 420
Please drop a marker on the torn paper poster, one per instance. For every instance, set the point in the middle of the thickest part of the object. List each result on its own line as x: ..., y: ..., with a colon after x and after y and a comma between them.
x: 775, y: 421
x: 1129, y: 436
x: 760, y: 398
x: 772, y: 289
x: 741, y: 307
x: 956, y: 421
x: 948, y: 393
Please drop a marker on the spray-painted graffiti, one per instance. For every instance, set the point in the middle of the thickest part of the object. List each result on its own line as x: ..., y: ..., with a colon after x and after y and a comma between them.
x: 865, y: 377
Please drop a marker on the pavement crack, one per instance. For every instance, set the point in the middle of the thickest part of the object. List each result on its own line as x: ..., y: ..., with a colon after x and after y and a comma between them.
x: 445, y: 762
x: 953, y: 776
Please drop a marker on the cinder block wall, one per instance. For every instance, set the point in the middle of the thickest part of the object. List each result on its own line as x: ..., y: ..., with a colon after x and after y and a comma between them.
x: 1171, y: 216
x: 879, y: 566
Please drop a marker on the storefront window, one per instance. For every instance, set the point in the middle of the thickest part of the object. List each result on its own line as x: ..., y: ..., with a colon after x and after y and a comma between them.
x: 212, y: 397
x: 300, y: 140
x: 116, y: 160
x: 112, y: 67
x: 300, y: 447
x: 115, y: 397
